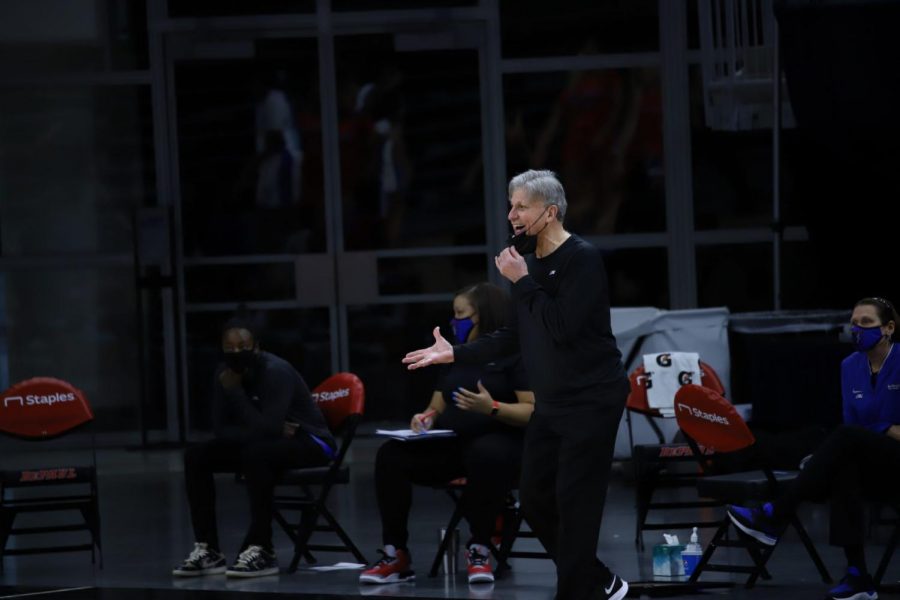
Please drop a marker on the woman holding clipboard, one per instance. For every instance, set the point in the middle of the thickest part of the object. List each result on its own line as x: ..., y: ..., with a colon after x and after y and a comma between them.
x: 487, y: 406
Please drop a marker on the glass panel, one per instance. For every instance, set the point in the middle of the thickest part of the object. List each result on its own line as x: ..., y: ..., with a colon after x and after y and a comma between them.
x: 366, y: 5
x: 693, y: 24
x: 638, y: 277
x: 81, y: 36
x: 430, y: 275
x: 601, y: 131
x: 221, y: 8
x: 568, y: 27
x: 250, y: 149
x: 240, y: 283
x: 76, y: 163
x: 736, y: 276
x: 801, y: 269
x: 379, y: 337
x: 410, y: 145
x: 732, y: 169
x: 301, y: 337
x: 77, y: 325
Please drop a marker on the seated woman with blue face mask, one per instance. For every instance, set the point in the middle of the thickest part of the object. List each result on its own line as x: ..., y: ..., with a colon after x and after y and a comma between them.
x: 859, y: 460
x: 488, y: 407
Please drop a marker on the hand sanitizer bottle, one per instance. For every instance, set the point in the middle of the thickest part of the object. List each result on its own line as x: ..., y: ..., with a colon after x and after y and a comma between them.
x: 692, y: 553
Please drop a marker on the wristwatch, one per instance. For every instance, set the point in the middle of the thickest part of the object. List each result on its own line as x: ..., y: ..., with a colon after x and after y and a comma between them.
x: 495, y: 408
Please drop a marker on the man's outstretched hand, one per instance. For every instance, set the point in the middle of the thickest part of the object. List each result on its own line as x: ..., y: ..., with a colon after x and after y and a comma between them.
x: 439, y: 353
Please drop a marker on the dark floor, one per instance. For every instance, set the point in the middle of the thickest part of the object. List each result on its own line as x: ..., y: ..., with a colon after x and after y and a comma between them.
x: 146, y: 531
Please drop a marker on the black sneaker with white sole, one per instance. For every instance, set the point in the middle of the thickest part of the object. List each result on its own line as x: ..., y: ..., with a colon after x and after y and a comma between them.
x: 616, y: 588
x: 202, y: 560
x: 255, y: 561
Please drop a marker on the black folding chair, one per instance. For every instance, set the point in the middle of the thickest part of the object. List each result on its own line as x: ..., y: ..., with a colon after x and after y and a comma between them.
x: 38, y: 410
x: 341, y: 398
x: 510, y: 530
x: 707, y: 419
x: 656, y: 466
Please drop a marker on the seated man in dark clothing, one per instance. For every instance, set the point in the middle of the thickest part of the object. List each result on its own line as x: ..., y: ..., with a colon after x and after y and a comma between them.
x: 265, y: 421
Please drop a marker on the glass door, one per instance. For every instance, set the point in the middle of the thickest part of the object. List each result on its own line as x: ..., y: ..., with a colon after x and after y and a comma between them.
x: 251, y: 202
x: 414, y: 224
x: 330, y: 183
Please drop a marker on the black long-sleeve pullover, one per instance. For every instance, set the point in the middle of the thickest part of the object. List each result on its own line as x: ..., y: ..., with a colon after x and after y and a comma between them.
x: 271, y: 393
x: 562, y: 326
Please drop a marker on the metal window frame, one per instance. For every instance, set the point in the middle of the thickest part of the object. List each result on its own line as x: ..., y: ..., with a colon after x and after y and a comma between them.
x: 681, y: 238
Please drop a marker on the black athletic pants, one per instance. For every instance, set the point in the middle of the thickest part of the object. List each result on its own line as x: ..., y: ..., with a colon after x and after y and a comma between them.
x: 490, y: 463
x: 851, y: 466
x: 261, y: 463
x: 565, y: 473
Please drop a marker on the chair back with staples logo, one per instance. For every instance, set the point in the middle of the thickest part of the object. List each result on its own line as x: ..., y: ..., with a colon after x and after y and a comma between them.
x: 338, y: 397
x: 38, y: 410
x: 655, y: 465
x: 42, y: 407
x: 710, y: 420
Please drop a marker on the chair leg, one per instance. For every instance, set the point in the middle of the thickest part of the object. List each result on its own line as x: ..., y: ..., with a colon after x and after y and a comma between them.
x: 308, y: 518
x: 710, y: 550
x: 286, y: 527
x: 811, y: 549
x: 759, y: 558
x: 88, y: 518
x: 888, y: 554
x: 512, y: 521
x: 643, y: 492
x: 6, y: 521
x: 445, y: 543
x: 348, y: 543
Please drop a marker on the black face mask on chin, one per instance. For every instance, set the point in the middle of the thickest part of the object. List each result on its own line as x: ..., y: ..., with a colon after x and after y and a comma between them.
x: 524, y: 243
x: 241, y: 361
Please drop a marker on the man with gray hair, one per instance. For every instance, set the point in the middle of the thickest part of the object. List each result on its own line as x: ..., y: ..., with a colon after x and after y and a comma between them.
x: 562, y: 328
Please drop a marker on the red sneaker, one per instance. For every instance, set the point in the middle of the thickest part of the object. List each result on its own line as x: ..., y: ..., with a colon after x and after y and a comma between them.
x: 390, y: 569
x: 479, y: 567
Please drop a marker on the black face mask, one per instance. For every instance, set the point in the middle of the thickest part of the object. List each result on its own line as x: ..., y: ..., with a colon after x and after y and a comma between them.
x: 240, y: 361
x: 524, y: 243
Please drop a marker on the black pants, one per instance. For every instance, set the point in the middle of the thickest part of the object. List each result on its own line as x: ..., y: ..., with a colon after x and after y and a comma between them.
x: 778, y: 450
x: 565, y: 473
x: 261, y: 463
x: 490, y: 463
x: 851, y: 466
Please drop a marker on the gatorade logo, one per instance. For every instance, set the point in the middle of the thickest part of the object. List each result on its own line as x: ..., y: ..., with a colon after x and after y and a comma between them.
x: 703, y: 415
x: 35, y: 400
x: 664, y: 360
x: 685, y: 377
x: 331, y: 396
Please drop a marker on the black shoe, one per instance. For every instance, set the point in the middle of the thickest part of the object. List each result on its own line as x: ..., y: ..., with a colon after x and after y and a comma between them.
x: 202, y: 560
x: 616, y: 588
x: 255, y: 561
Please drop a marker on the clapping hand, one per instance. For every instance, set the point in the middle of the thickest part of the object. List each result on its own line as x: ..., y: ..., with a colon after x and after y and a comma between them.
x: 480, y: 401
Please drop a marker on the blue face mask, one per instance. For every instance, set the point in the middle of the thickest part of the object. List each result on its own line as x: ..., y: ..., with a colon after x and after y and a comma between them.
x: 461, y: 328
x: 866, y: 338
